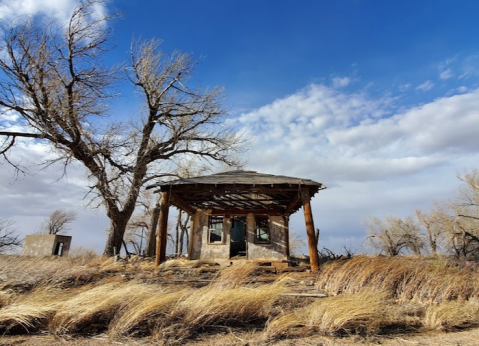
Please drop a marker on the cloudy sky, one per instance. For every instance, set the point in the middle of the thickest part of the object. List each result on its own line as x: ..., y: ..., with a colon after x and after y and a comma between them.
x: 378, y: 100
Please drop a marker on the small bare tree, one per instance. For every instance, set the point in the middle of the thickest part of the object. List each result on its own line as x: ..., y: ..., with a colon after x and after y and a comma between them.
x: 136, y: 232
x: 394, y: 235
x: 9, y: 237
x: 296, y: 243
x: 461, y: 218
x: 438, y: 228
x: 58, y: 222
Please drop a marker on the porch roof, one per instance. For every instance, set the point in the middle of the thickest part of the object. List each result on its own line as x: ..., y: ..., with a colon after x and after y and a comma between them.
x: 238, y: 192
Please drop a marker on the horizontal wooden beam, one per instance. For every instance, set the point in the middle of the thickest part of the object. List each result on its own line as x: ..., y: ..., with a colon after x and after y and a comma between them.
x: 246, y: 211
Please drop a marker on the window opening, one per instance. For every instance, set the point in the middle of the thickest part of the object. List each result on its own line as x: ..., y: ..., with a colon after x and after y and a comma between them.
x: 215, y: 229
x: 262, y: 229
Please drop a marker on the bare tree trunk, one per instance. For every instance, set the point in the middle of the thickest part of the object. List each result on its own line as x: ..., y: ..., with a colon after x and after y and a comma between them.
x: 177, y: 230
x: 184, y: 231
x: 151, y: 238
x: 115, y: 236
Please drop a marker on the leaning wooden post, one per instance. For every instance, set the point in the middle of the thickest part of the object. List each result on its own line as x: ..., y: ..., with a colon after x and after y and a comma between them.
x: 162, y: 229
x: 312, y: 241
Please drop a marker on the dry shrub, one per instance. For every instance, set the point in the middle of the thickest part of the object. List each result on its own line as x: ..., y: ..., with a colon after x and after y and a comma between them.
x: 404, y: 277
x: 235, y: 275
x: 452, y: 315
x: 365, y: 312
x: 31, y: 310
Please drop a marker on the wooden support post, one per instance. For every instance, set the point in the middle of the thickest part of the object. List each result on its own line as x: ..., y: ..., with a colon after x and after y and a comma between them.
x: 162, y: 229
x: 312, y: 241
x: 286, y: 236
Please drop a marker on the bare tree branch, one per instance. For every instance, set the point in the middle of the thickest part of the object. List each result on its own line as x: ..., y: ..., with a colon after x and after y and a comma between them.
x: 58, y: 222
x: 9, y: 237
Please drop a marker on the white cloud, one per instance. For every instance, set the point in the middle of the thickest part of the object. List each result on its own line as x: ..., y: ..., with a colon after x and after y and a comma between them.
x: 462, y: 89
x: 404, y: 87
x: 373, y: 161
x: 29, y: 199
x: 427, y: 85
x: 446, y: 74
x: 341, y: 82
x: 54, y: 9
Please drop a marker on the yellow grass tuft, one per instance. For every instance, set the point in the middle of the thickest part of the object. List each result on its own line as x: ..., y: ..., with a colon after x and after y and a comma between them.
x: 6, y: 297
x: 96, y: 306
x: 147, y: 312
x: 452, y: 315
x: 365, y: 312
x: 236, y: 275
x: 32, y: 309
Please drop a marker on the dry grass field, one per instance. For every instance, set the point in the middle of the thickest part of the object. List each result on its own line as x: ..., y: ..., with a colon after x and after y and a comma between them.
x: 88, y: 300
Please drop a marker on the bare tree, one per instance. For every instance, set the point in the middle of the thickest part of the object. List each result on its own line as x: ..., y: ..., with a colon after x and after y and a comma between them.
x: 59, y: 87
x: 58, y: 222
x: 458, y: 219
x: 136, y: 232
x: 394, y: 235
x: 9, y: 237
x: 438, y: 227
x: 296, y: 243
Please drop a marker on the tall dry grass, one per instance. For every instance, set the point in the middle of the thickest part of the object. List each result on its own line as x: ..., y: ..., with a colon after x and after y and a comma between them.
x: 24, y: 273
x: 370, y: 295
x: 365, y: 312
x: 238, y: 274
x: 428, y: 280
x: 96, y: 306
x: 148, y: 314
x: 452, y: 315
x: 144, y: 309
x: 31, y: 311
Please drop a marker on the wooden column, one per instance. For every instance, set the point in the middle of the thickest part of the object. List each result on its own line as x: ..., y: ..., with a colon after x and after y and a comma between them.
x: 312, y: 241
x: 162, y: 229
x: 286, y: 235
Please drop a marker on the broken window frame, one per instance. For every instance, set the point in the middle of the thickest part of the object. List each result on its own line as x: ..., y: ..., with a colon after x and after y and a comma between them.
x: 216, y: 228
x: 262, y: 228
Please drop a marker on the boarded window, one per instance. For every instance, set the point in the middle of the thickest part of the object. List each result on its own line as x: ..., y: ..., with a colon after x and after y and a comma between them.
x: 215, y: 229
x: 262, y: 229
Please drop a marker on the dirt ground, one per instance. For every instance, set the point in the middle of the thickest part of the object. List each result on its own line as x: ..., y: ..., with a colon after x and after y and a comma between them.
x: 461, y: 338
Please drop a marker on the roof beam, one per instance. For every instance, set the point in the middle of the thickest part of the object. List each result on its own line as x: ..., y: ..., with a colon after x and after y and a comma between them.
x: 293, y: 204
x: 182, y: 204
x: 235, y: 211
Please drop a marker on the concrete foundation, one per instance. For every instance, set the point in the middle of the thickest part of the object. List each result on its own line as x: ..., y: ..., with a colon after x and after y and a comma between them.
x: 46, y: 245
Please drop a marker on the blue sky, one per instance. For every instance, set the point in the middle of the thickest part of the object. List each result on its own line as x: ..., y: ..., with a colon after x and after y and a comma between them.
x: 262, y: 50
x: 378, y: 100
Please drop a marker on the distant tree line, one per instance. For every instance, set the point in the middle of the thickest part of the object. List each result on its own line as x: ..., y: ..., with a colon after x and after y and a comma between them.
x: 450, y: 227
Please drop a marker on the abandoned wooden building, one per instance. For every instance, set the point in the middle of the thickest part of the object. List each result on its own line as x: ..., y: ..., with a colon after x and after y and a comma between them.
x: 239, y: 214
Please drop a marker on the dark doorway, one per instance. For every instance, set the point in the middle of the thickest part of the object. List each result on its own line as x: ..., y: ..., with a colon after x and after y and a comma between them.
x: 59, y: 249
x: 238, y: 236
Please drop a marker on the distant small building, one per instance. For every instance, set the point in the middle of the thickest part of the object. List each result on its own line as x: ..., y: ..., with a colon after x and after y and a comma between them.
x: 46, y: 245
